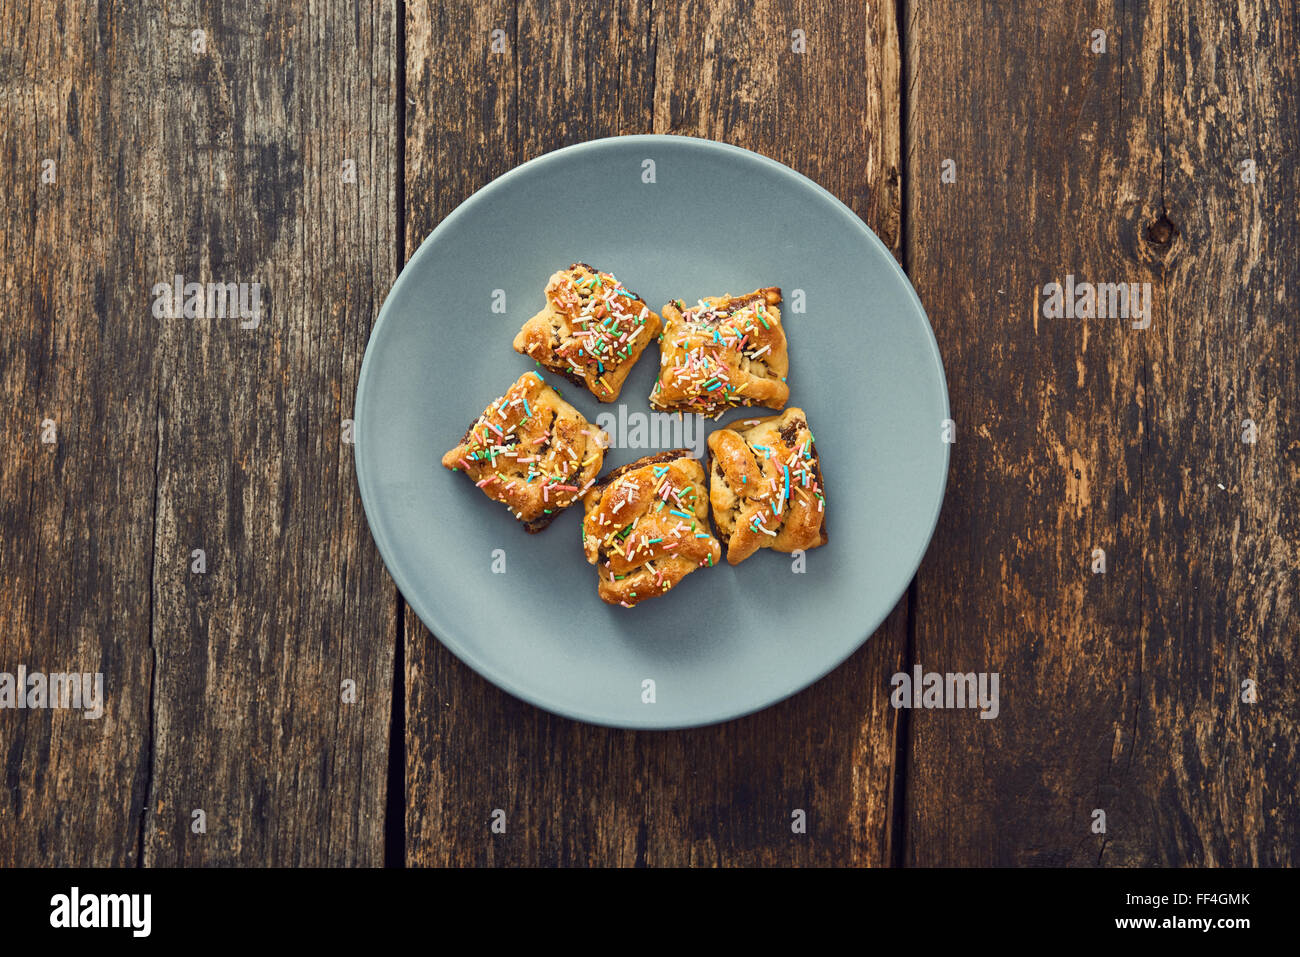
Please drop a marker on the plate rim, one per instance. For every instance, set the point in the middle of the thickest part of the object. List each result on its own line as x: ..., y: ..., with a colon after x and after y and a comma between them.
x: 365, y: 483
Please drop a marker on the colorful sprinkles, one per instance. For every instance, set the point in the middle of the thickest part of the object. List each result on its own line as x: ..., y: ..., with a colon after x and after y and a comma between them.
x: 605, y: 321
x: 704, y: 367
x: 659, y: 545
x: 788, y: 468
x: 531, y: 474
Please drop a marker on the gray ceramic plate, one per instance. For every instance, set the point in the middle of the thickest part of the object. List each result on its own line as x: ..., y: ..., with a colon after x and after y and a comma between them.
x: 715, y: 219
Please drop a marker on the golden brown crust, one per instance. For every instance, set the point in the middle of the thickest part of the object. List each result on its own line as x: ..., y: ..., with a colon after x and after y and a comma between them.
x: 725, y: 352
x: 647, y: 527
x: 657, y: 458
x: 765, y: 485
x: 532, y: 451
x: 592, y: 330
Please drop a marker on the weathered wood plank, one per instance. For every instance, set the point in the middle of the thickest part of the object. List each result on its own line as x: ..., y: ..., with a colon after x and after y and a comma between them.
x: 575, y: 793
x: 252, y: 720
x: 1119, y: 690
x: 1208, y: 778
x: 76, y: 348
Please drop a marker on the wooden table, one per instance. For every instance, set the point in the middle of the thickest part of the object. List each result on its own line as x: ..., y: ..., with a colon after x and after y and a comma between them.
x: 311, y: 147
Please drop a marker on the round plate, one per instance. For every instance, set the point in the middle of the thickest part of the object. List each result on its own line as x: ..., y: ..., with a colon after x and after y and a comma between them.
x: 672, y: 217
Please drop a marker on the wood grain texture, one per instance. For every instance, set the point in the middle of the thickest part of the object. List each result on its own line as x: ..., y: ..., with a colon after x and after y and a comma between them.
x: 1213, y: 780
x: 573, y: 793
x: 219, y: 157
x: 1120, y: 691
x: 76, y: 347
x: 251, y: 723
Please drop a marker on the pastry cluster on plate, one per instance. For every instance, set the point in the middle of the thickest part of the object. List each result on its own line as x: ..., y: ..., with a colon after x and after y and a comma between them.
x: 647, y: 524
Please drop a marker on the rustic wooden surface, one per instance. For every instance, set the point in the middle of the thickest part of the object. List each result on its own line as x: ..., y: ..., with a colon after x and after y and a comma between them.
x: 1121, y: 691
x: 574, y: 793
x: 76, y: 554
x: 224, y: 688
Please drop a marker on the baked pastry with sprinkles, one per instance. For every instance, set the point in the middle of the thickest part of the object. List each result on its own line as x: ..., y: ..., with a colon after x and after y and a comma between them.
x: 724, y: 352
x: 765, y: 485
x: 532, y: 451
x: 647, y: 527
x: 592, y: 330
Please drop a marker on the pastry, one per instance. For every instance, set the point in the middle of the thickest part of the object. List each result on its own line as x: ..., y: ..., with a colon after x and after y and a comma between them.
x: 532, y: 451
x: 765, y: 485
x: 592, y: 330
x: 727, y: 351
x: 647, y: 527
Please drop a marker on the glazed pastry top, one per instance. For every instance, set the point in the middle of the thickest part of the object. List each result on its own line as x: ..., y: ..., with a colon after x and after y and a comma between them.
x: 766, y: 485
x: 647, y: 527
x: 724, y: 352
x: 531, y: 450
x: 591, y: 331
